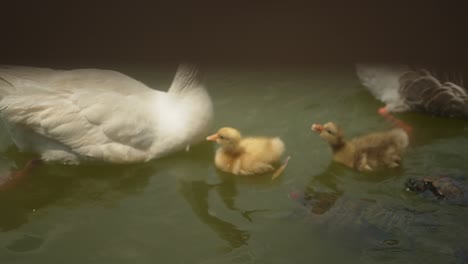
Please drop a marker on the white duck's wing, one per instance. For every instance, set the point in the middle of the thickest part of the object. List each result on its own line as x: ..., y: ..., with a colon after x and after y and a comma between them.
x: 30, y: 79
x: 423, y: 92
x: 91, y: 112
x: 13, y: 79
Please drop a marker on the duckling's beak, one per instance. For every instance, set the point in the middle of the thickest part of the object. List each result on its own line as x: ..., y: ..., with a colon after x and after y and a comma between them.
x: 317, y: 128
x: 213, y: 137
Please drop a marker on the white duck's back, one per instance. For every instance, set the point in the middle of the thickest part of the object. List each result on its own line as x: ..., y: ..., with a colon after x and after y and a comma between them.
x: 94, y: 114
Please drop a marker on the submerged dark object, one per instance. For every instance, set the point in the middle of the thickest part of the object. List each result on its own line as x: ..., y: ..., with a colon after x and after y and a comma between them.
x: 16, y: 177
x: 443, y: 187
x: 317, y: 203
x: 364, y: 216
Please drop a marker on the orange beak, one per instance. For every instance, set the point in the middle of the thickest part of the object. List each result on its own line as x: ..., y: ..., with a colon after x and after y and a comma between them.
x: 213, y: 137
x: 317, y: 128
x: 383, y: 111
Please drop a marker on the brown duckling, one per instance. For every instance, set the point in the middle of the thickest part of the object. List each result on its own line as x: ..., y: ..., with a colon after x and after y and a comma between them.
x: 247, y: 156
x: 368, y: 152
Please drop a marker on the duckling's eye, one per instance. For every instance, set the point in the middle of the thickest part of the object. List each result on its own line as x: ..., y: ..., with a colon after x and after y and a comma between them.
x: 329, y: 131
x: 221, y: 137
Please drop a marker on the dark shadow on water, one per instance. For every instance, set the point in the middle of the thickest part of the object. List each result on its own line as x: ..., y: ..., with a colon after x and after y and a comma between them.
x: 340, y: 219
x: 322, y: 191
x: 326, y: 188
x: 68, y: 186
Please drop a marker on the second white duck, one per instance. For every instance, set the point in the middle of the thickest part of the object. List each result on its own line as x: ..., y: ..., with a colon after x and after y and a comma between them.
x: 403, y: 88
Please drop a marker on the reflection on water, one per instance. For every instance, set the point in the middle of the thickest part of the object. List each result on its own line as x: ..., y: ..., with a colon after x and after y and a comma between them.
x: 441, y: 128
x: 196, y: 194
x: 322, y: 191
x: 54, y: 185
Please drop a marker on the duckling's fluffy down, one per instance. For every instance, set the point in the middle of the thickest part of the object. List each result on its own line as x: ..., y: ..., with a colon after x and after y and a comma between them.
x: 397, y: 137
x: 246, y: 156
x: 265, y: 149
x: 368, y: 152
x: 257, y: 155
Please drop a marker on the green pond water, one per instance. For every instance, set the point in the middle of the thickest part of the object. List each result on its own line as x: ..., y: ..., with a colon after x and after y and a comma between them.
x: 180, y: 209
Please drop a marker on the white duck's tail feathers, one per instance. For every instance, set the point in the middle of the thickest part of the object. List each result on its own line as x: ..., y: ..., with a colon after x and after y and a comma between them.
x: 383, y: 81
x: 187, y: 77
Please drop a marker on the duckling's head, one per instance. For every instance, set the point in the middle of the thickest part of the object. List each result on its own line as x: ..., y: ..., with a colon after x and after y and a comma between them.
x: 331, y: 132
x: 227, y: 137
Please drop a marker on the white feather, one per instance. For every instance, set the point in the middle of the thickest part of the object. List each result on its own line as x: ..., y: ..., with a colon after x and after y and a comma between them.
x: 383, y: 81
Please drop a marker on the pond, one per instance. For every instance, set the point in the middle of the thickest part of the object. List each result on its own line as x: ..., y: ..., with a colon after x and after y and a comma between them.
x: 180, y: 209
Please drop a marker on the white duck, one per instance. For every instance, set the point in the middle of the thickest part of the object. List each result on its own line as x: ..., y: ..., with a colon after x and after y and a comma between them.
x: 90, y: 114
x: 403, y: 88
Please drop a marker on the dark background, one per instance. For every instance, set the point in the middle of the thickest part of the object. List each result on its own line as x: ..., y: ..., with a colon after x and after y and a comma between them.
x: 232, y: 32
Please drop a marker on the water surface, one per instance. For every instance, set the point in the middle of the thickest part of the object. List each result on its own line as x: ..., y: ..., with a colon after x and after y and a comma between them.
x: 180, y: 209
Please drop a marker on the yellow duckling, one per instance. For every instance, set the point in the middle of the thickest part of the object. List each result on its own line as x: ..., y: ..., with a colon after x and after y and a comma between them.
x: 368, y: 152
x: 247, y: 156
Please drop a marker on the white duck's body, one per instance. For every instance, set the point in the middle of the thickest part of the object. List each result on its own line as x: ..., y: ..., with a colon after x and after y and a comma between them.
x: 90, y: 114
x: 402, y: 88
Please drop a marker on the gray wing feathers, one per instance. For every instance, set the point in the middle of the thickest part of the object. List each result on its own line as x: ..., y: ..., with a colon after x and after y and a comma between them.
x: 423, y: 92
x: 403, y: 88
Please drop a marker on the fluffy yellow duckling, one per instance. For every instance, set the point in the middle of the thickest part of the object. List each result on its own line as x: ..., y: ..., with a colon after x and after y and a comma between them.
x: 247, y: 156
x: 368, y: 152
